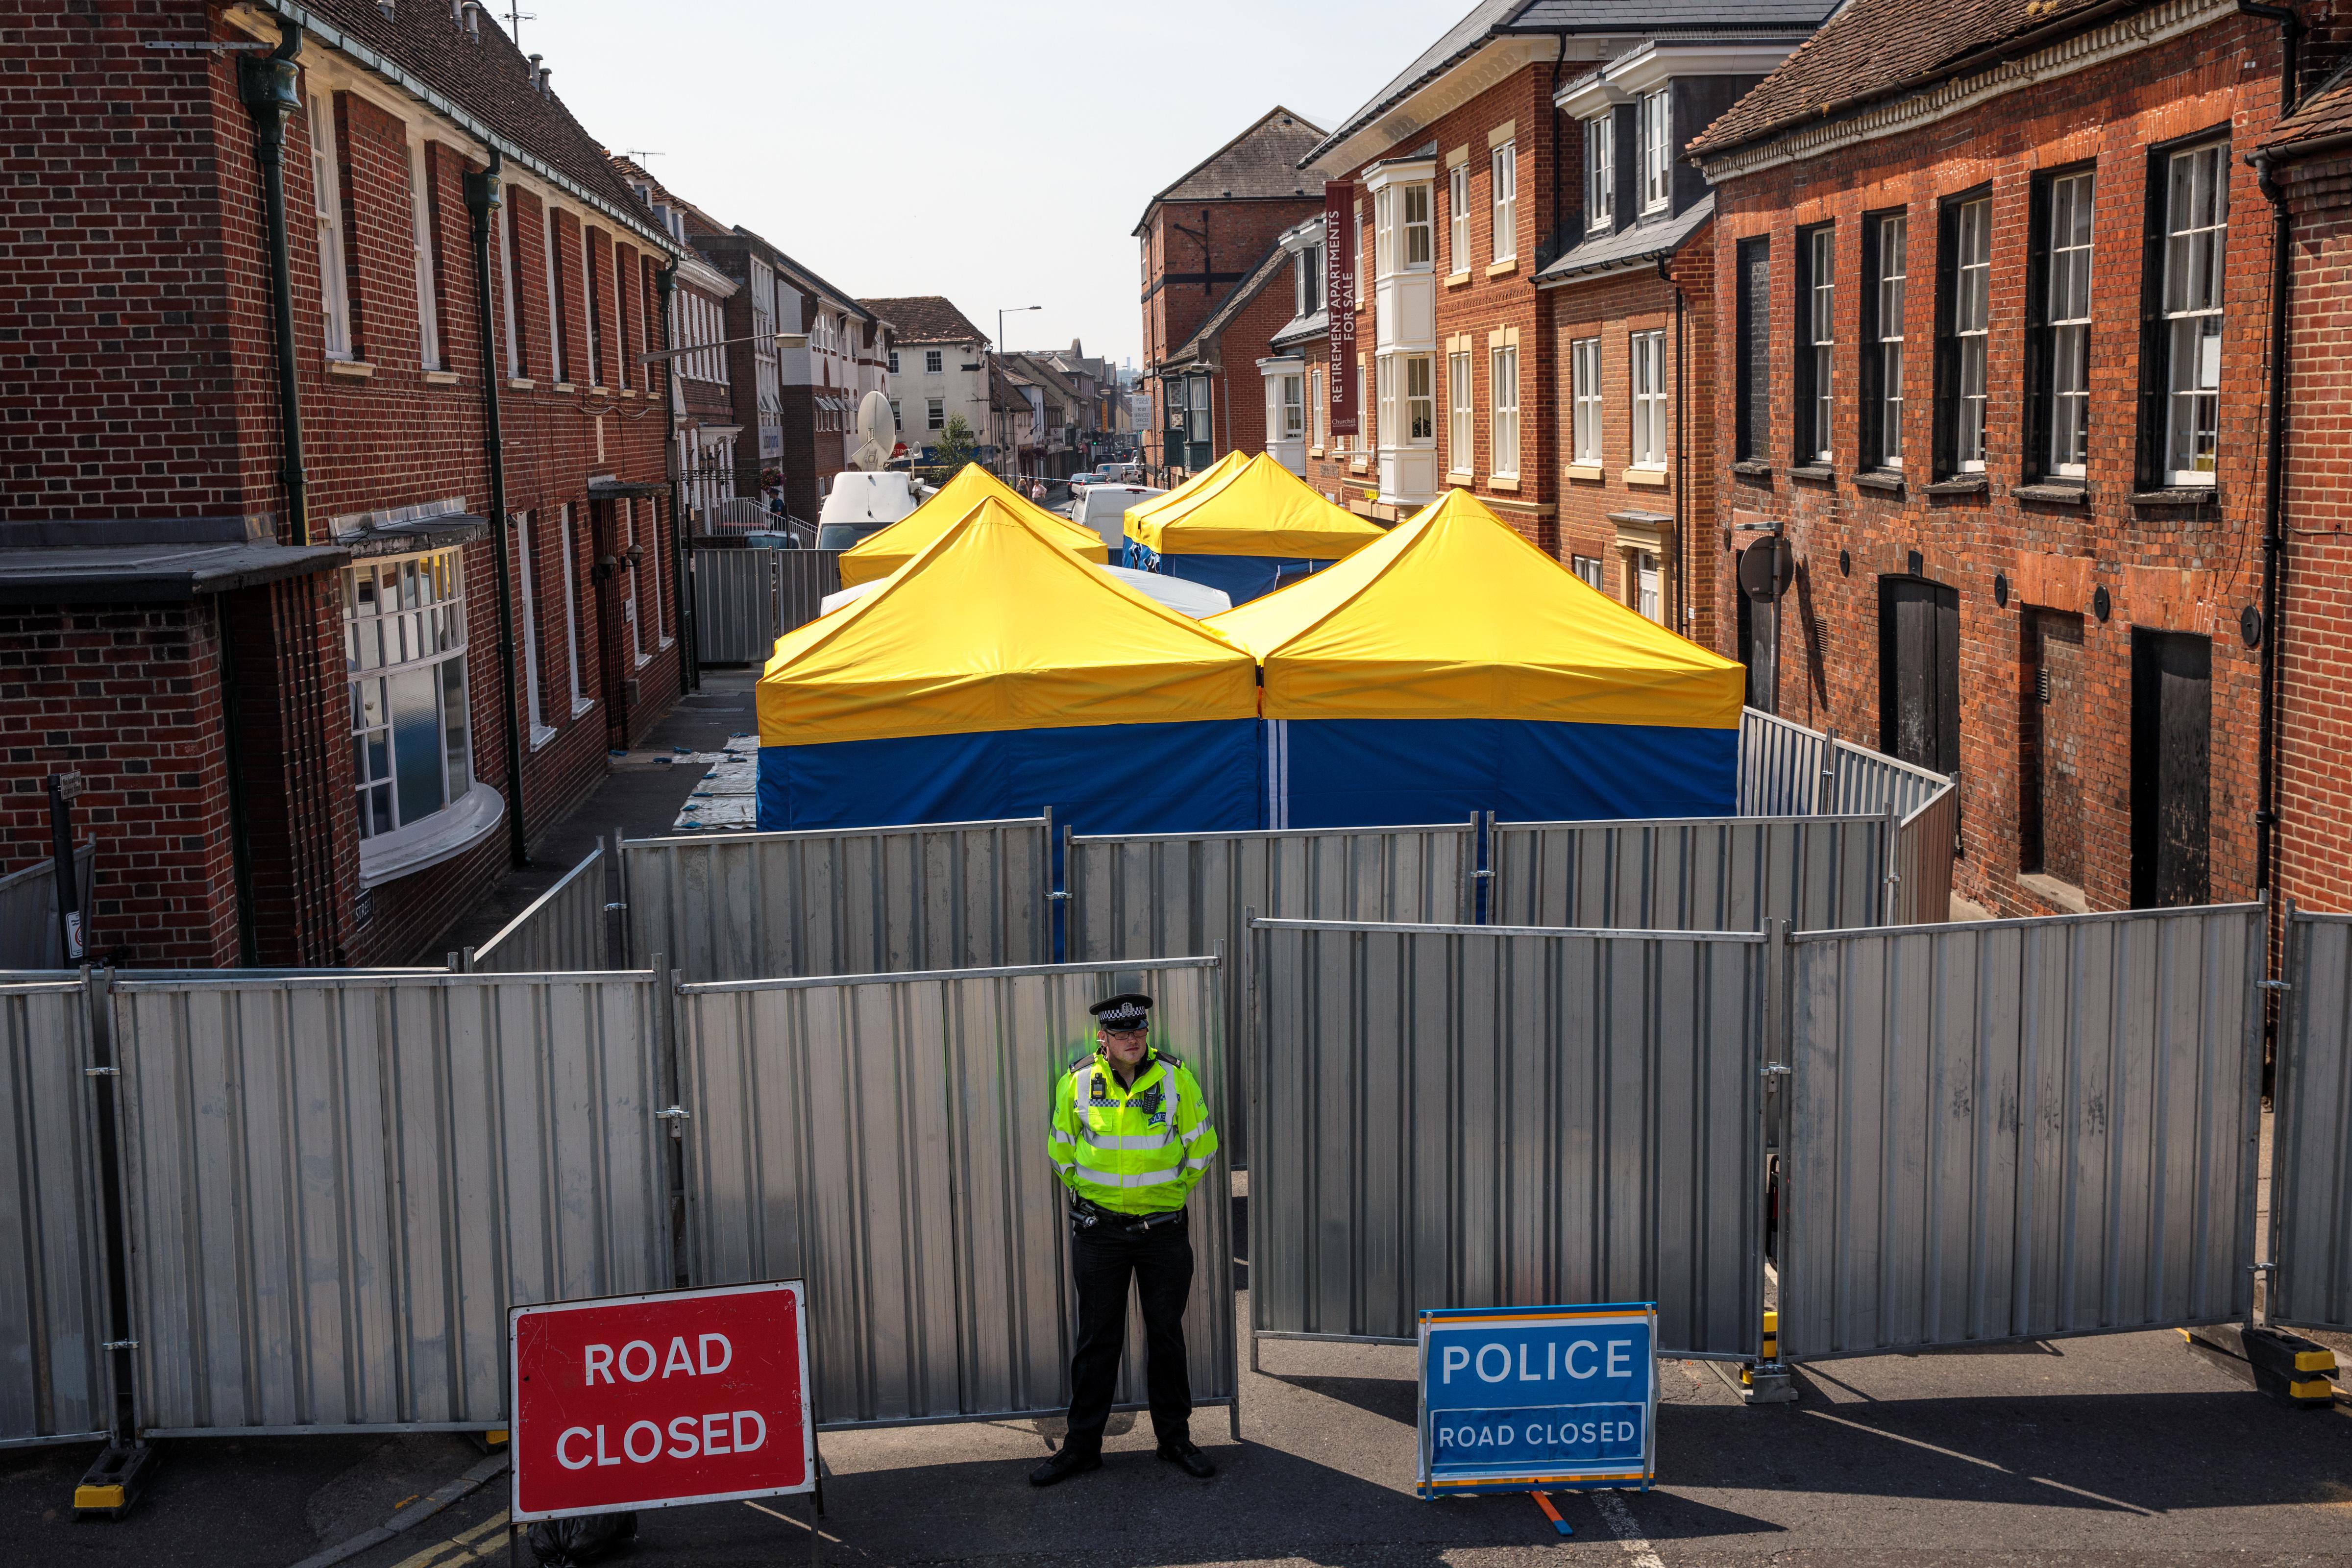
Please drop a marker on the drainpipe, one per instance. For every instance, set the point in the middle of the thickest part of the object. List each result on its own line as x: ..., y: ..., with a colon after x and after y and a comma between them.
x: 269, y: 88
x: 482, y: 199
x: 1683, y: 521
x: 690, y: 664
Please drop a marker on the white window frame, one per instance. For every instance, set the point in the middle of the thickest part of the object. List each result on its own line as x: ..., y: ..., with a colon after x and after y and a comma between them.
x: 1315, y: 411
x: 934, y: 362
x: 1461, y: 435
x: 1294, y: 408
x: 665, y: 620
x: 1503, y: 167
x: 559, y: 363
x: 621, y: 317
x: 2073, y: 206
x: 526, y: 572
x: 2195, y: 247
x: 1646, y: 371
x: 1894, y: 293
x: 1599, y: 172
x: 507, y: 244
x: 327, y: 202
x: 1503, y: 401
x: 624, y: 522
x: 423, y: 630
x: 1418, y: 397
x: 1383, y: 232
x: 1385, y: 379
x: 1656, y: 112
x: 1418, y: 252
x: 1821, y: 333
x: 1457, y: 219
x: 1584, y: 395
x: 428, y: 318
x: 1589, y: 571
x: 935, y: 414
x: 581, y: 701
x: 1972, y: 329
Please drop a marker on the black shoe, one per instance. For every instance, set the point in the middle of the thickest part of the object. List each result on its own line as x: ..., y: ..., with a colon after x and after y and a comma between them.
x: 1195, y: 1462
x: 1062, y: 1465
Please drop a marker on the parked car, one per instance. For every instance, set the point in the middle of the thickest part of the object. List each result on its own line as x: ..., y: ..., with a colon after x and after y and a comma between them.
x: 861, y: 504
x: 1103, y: 507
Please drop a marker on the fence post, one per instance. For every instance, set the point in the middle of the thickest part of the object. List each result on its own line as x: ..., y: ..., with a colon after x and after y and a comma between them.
x: 1251, y: 1063
x: 118, y: 1473
x: 1893, y: 863
x: 621, y: 874
x: 1825, y: 801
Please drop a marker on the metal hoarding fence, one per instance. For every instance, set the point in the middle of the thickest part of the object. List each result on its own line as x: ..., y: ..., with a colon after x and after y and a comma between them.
x: 334, y: 1188
x: 1925, y: 844
x: 1506, y: 1117
x: 735, y: 612
x: 1159, y: 895
x: 2020, y: 1129
x: 885, y: 1138
x: 29, y: 938
x: 53, y: 1298
x: 1818, y: 873
x: 563, y: 929
x: 2311, y: 1137
x: 803, y: 577
x: 1784, y: 768
x: 876, y: 901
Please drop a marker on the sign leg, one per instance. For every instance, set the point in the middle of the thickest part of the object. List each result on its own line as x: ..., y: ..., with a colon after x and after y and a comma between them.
x: 514, y: 1543
x: 816, y: 1517
x: 1553, y: 1514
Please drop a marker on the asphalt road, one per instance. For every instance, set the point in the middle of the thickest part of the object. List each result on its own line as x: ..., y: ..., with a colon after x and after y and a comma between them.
x: 2108, y: 1450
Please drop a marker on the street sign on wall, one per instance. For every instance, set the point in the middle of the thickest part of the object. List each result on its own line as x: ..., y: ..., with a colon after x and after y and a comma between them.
x: 637, y: 1402
x: 1537, y: 1398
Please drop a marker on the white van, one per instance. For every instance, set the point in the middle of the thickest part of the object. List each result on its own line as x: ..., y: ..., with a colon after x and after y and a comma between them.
x: 861, y: 504
x: 1103, y: 507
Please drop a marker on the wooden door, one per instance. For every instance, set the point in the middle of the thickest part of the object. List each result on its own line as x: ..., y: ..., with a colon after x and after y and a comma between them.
x: 2171, y: 768
x: 2054, y: 730
x: 1920, y: 672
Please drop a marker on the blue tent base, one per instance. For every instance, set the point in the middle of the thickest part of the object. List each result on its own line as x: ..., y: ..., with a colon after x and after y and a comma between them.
x: 1109, y: 778
x: 1240, y: 577
x: 1367, y: 773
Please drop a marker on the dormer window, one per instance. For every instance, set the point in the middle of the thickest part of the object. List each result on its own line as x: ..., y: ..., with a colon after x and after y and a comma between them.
x: 1657, y: 152
x: 1307, y: 289
x: 1599, y: 172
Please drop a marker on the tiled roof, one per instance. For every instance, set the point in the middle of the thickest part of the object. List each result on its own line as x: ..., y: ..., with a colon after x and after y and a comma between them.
x: 483, y: 74
x: 1628, y: 246
x: 925, y: 318
x: 1248, y: 288
x: 1631, y: 19
x: 1262, y: 162
x: 2325, y: 116
x: 1875, y: 49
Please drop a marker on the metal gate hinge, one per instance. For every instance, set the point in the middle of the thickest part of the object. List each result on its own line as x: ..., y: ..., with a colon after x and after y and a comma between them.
x: 2262, y: 1267
x: 617, y: 904
x: 101, y: 1072
x: 1485, y: 873
x: 2274, y: 984
x: 119, y: 1345
x: 1058, y: 895
x: 674, y: 1114
x: 1777, y: 1070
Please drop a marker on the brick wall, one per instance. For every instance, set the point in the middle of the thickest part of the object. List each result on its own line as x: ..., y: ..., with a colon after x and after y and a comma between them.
x: 2178, y: 569
x: 1238, y: 236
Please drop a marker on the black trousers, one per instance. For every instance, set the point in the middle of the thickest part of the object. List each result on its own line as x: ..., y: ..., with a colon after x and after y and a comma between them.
x: 1102, y: 1257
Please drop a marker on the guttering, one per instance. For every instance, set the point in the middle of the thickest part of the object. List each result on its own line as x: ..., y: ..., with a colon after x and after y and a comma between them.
x: 271, y: 90
x: 482, y: 199
x: 303, y: 17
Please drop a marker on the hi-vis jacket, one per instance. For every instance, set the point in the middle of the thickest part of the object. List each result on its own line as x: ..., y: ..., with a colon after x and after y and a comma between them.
x: 1137, y: 1150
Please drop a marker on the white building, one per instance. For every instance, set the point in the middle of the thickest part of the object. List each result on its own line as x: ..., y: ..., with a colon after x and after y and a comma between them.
x: 938, y: 367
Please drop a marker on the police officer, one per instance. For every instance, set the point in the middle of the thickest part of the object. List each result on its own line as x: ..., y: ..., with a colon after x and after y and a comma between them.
x: 1130, y: 1138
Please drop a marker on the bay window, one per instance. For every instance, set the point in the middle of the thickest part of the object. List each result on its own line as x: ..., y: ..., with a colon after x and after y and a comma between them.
x: 1414, y: 200
x: 404, y: 649
x: 1420, y: 399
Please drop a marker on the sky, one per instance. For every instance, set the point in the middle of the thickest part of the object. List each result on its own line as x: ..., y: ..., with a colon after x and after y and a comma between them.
x: 998, y: 153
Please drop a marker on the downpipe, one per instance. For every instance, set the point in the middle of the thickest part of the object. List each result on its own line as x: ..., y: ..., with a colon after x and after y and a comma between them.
x: 690, y: 640
x: 483, y: 197
x: 270, y: 90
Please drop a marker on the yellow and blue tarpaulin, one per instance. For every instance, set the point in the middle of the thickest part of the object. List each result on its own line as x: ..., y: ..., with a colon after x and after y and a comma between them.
x: 885, y: 552
x: 995, y: 674
x: 1248, y: 530
x: 1215, y: 474
x: 1452, y: 666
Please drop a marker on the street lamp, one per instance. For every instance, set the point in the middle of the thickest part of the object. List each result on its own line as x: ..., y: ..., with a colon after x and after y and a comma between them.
x: 782, y: 340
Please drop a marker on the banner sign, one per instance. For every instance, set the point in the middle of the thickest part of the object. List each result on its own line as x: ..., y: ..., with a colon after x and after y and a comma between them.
x: 1339, y: 300
x: 1537, y: 1398
x: 684, y: 1396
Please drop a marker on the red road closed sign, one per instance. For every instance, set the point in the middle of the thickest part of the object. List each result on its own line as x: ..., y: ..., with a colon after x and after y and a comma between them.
x: 633, y: 1402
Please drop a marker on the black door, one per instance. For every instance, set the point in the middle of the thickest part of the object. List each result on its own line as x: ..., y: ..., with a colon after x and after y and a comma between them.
x: 1760, y: 650
x: 2171, y: 768
x: 1920, y: 672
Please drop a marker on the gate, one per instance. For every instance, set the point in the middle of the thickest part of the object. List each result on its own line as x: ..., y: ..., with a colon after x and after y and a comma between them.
x: 1495, y: 1116
x: 29, y: 938
x: 561, y: 931
x: 1818, y: 873
x: 884, y: 1137
x: 52, y: 1245
x: 2019, y: 1129
x: 2311, y: 1136
x: 744, y: 599
x: 335, y: 1188
x: 876, y: 900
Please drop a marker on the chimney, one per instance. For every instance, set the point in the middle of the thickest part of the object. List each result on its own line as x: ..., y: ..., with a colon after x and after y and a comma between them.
x: 544, y: 72
x: 533, y: 75
x: 471, y: 11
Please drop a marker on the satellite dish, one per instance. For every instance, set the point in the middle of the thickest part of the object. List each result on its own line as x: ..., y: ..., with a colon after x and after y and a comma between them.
x: 877, y: 434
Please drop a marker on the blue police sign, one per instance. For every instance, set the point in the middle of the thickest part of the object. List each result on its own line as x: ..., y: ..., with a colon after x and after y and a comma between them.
x: 1537, y: 1398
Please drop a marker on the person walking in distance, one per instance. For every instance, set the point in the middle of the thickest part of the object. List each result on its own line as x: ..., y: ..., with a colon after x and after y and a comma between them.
x: 1130, y: 1138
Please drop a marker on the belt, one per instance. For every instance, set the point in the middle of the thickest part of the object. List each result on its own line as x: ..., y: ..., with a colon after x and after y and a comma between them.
x: 1085, y: 1214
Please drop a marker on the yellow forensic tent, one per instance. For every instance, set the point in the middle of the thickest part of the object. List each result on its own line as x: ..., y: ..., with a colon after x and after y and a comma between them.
x: 1453, y: 666
x: 1208, y: 478
x: 998, y: 674
x: 885, y: 552
x: 1259, y: 508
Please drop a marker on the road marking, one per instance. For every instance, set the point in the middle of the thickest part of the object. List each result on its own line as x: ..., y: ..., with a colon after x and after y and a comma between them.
x: 1620, y: 1520
x: 463, y: 1545
x: 1987, y: 1463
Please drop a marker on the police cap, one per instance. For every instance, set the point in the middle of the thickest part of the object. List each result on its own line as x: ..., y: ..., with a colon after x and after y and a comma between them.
x: 1128, y: 1010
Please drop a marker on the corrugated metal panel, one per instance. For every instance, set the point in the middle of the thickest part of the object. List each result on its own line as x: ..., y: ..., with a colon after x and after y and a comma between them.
x: 1160, y: 895
x: 1782, y: 766
x: 1924, y: 846
x: 885, y: 1139
x: 2020, y: 1129
x: 28, y: 911
x: 53, y: 1383
x: 1491, y: 1116
x: 2311, y: 1137
x: 735, y: 619
x: 878, y: 900
x: 1820, y: 873
x: 561, y: 931
x: 335, y: 1188
x: 803, y: 577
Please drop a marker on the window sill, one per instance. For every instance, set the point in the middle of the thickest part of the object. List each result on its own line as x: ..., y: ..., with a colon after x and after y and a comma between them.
x: 1585, y: 471
x: 597, y: 389
x: 1749, y: 468
x: 1460, y: 476
x: 1314, y: 452
x: 355, y: 369
x: 2057, y: 492
x: 643, y: 659
x: 1962, y: 485
x: 629, y: 391
x: 1503, y: 482
x: 440, y: 378
x: 2177, y: 495
x: 1457, y: 280
x: 443, y: 836
x: 2065, y: 895
x: 541, y: 734
x: 665, y: 644
x: 1820, y: 473
x: 562, y: 387
x: 1505, y: 268
x: 1889, y: 481
x: 1644, y: 475
x: 1358, y: 466
x: 581, y: 705
x: 519, y: 383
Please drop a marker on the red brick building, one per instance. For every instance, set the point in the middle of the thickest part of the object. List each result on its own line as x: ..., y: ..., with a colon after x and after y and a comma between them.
x: 277, y: 664
x: 1996, y: 290
x: 1211, y: 229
